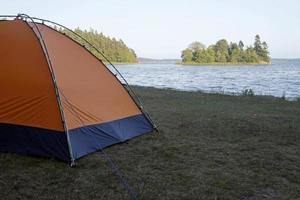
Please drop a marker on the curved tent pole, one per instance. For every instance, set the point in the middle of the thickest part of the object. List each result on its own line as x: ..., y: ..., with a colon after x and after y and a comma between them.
x: 58, y: 97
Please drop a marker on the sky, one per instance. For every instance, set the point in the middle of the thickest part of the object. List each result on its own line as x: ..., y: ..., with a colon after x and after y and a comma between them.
x: 163, y: 28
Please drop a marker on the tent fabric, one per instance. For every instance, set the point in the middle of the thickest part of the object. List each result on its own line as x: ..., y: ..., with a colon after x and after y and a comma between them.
x: 97, y: 108
x: 95, y: 137
x: 98, y: 99
x: 26, y: 89
x: 33, y: 141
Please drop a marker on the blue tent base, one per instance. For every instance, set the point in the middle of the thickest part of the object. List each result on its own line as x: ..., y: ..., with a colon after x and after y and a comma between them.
x: 84, y: 140
x: 33, y: 141
x: 92, y: 138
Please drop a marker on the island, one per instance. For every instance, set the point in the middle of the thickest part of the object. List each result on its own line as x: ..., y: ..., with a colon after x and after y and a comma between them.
x: 226, y: 53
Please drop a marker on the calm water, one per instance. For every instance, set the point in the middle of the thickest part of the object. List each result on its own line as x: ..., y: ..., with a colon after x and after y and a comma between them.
x: 280, y: 78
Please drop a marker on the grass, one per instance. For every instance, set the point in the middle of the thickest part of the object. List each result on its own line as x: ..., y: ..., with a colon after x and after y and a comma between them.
x: 210, y: 146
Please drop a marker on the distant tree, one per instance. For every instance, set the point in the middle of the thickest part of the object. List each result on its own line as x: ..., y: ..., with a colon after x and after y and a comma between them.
x: 221, y: 51
x: 250, y: 55
x: 187, y: 55
x: 114, y: 50
x: 197, y: 56
x: 196, y: 46
x: 236, y: 56
x: 261, y: 49
x: 266, y: 53
x: 210, y: 55
x: 241, y: 45
x: 235, y: 53
x: 232, y: 46
x: 258, y: 46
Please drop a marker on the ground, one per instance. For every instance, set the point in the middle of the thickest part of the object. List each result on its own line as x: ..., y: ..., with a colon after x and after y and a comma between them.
x: 209, y: 146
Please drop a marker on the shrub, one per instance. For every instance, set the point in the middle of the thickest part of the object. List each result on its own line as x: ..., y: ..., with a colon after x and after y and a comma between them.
x: 283, y: 96
x: 248, y: 92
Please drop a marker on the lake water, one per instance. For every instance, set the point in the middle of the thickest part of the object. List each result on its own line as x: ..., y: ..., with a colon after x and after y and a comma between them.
x: 280, y: 78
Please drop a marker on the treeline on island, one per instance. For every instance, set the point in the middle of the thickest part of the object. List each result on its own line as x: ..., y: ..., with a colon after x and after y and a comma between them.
x: 223, y: 52
x: 115, y: 50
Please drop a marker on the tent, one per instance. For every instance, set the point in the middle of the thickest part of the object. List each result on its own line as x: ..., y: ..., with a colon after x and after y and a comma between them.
x: 56, y: 98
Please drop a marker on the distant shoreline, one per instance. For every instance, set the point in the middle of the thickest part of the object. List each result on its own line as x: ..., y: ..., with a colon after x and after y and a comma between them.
x: 178, y: 62
x: 220, y: 63
x: 121, y: 63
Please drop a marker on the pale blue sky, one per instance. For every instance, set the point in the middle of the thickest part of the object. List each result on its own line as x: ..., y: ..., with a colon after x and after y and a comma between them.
x: 162, y: 28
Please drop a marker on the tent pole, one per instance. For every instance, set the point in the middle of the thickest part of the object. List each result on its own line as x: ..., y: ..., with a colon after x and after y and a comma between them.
x: 58, y: 97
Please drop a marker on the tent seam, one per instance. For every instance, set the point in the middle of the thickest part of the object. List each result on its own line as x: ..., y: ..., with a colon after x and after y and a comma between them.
x: 58, y: 98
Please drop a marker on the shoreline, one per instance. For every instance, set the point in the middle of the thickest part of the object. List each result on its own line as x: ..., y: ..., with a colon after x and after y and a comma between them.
x: 222, y: 64
x: 247, y: 92
x: 194, y: 64
x: 120, y: 63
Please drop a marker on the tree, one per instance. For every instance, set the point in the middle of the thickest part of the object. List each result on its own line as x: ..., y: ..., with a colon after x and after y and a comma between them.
x: 250, y: 55
x: 266, y: 52
x: 261, y: 49
x: 195, y: 46
x: 187, y: 55
x: 221, y: 51
x: 233, y: 46
x: 210, y: 55
x: 115, y: 50
x: 258, y: 46
x: 236, y: 56
x: 204, y: 56
x: 241, y: 45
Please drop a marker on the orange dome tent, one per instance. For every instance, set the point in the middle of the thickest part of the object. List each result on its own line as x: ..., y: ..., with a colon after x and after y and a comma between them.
x: 56, y: 98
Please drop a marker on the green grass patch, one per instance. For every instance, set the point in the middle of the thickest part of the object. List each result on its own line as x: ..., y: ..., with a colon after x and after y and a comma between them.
x: 210, y: 146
